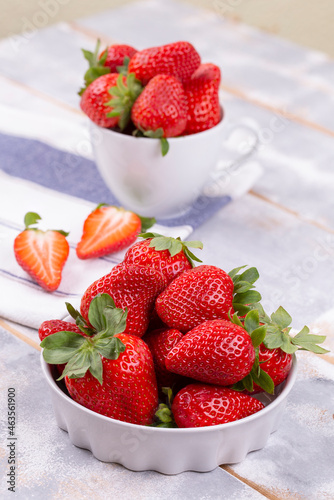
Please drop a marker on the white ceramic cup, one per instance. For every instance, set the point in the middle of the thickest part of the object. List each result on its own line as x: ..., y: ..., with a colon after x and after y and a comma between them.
x: 159, y: 186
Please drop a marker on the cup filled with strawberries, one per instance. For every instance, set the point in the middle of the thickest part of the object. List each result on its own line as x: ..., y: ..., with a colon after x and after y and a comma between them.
x: 157, y: 125
x: 171, y: 366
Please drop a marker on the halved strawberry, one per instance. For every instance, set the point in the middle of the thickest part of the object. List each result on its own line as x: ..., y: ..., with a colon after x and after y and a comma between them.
x: 42, y: 254
x: 109, y: 229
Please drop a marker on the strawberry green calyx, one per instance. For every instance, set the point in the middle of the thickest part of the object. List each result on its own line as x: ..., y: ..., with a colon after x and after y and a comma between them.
x: 245, y: 297
x: 278, y: 334
x: 96, y: 66
x: 154, y: 134
x: 173, y: 245
x: 32, y: 218
x: 257, y: 333
x: 124, y: 69
x: 164, y: 416
x: 123, y: 97
x: 84, y: 353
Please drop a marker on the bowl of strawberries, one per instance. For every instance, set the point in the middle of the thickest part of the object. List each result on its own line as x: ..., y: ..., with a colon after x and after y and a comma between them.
x: 168, y: 366
x: 157, y: 125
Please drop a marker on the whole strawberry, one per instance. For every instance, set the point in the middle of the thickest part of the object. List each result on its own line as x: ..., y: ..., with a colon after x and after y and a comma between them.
x: 161, y: 108
x: 215, y: 352
x: 42, y: 254
x: 160, y: 342
x: 111, y: 60
x: 179, y: 59
x: 110, y: 373
x: 206, y: 292
x: 95, y: 98
x: 200, y: 405
x: 203, y: 98
x: 170, y: 256
x: 131, y: 287
x: 49, y: 327
x: 274, y: 362
x: 113, y: 57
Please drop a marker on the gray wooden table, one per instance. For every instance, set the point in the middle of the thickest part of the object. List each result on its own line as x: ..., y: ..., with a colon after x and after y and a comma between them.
x: 284, y: 226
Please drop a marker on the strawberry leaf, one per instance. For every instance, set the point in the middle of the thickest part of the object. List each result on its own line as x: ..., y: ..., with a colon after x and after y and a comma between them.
x: 164, y: 145
x: 244, y: 297
x: 31, y: 219
x: 278, y: 334
x: 124, y: 69
x: 60, y: 347
x: 258, y: 335
x: 123, y: 97
x: 96, y: 65
x: 146, y: 222
x: 84, y: 353
x: 264, y: 381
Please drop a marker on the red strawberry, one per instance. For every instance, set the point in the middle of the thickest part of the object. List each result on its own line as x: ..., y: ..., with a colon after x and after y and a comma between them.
x: 115, y: 56
x: 168, y: 255
x: 161, y: 108
x: 200, y: 405
x: 114, y: 373
x: 206, y: 292
x: 96, y: 96
x: 276, y: 363
x: 51, y: 326
x: 203, y: 98
x: 215, y: 352
x: 109, y: 61
x: 132, y: 287
x: 106, y: 230
x: 202, y: 293
x: 160, y: 343
x: 179, y: 59
x: 42, y: 254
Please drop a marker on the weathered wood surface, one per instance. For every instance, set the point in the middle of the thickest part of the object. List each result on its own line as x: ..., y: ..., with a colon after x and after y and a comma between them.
x: 284, y: 226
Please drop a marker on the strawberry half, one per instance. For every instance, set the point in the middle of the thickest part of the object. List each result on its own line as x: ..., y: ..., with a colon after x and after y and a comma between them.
x: 170, y: 256
x: 179, y: 59
x: 42, y: 254
x: 109, y: 229
x: 200, y: 405
x: 110, y: 373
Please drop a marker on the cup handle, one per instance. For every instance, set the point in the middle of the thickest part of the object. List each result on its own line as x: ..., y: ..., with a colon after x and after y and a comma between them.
x: 222, y: 179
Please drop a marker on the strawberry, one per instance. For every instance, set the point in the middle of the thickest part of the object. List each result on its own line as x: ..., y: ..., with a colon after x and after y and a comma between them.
x: 201, y: 405
x: 110, y: 60
x: 179, y: 59
x: 42, y: 254
x: 206, y: 292
x: 51, y: 326
x: 111, y: 373
x: 160, y: 342
x: 109, y: 229
x: 131, y: 287
x: 203, y: 98
x: 275, y: 363
x: 115, y: 55
x: 215, y: 352
x: 170, y: 256
x: 161, y: 109
x: 95, y: 98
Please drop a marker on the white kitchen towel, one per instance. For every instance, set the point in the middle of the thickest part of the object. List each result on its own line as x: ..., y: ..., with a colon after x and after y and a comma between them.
x: 22, y: 300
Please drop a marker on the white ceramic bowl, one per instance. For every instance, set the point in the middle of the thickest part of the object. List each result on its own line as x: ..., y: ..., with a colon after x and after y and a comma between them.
x: 169, y: 451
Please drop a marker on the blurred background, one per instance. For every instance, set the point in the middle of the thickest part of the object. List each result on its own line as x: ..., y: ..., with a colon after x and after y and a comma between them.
x: 306, y: 22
